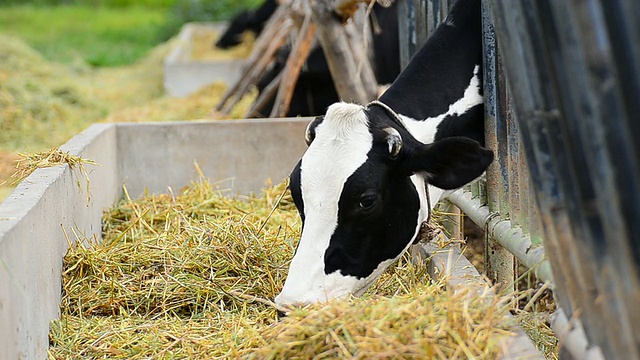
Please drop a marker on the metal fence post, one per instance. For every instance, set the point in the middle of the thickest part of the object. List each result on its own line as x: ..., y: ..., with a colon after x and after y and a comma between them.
x: 575, y: 75
x: 500, y: 264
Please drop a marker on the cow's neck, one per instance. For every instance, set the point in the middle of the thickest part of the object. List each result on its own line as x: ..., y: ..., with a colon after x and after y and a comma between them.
x: 439, y: 80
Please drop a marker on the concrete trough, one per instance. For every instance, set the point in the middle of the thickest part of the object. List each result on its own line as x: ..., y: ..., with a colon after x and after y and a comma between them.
x: 47, y: 208
x: 153, y: 156
x: 184, y: 75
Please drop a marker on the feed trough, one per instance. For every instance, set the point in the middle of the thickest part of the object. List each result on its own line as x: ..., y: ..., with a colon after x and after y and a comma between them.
x: 146, y: 157
x: 194, y: 63
x: 54, y: 204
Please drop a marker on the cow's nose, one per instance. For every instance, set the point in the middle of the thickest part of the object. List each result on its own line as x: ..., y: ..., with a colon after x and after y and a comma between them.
x: 285, y: 310
x: 287, y: 304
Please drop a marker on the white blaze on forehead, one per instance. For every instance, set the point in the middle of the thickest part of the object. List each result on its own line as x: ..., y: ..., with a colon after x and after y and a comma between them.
x: 424, y: 130
x: 339, y: 148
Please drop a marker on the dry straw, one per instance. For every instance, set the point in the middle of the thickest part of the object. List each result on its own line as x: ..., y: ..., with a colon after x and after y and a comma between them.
x: 43, y: 104
x: 192, y: 276
x: 28, y: 163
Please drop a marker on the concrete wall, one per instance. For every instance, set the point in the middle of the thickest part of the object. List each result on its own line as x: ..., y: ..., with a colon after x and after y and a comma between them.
x: 32, y: 241
x: 184, y: 75
x: 52, y: 201
x: 247, y: 153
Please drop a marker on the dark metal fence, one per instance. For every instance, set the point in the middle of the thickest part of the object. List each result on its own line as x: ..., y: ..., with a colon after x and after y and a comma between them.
x: 562, y: 91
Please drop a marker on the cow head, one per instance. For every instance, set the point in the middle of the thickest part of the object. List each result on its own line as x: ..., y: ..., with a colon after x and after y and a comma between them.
x: 233, y: 36
x: 360, y: 191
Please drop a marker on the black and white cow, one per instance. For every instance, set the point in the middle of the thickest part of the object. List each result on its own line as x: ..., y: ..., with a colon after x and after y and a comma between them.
x: 361, y: 187
x: 246, y: 20
x: 314, y: 90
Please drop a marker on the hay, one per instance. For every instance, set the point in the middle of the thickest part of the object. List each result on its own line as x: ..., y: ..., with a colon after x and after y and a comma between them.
x: 427, y: 322
x: 198, y: 105
x: 43, y: 104
x: 28, y: 163
x: 7, y: 168
x: 536, y: 325
x: 202, y: 48
x: 192, y: 275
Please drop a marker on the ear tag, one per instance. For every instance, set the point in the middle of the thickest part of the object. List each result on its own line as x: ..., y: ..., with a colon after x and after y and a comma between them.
x: 394, y: 141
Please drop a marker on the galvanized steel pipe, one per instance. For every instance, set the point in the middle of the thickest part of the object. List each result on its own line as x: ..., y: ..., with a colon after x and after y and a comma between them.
x: 511, y: 238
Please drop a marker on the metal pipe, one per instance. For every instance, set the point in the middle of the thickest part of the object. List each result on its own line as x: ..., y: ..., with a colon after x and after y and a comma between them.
x: 511, y: 238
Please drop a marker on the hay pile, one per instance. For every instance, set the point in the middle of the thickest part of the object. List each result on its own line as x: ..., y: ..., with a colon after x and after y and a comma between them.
x: 199, y: 105
x: 40, y: 102
x: 192, y: 276
x: 43, y: 104
x: 203, y: 50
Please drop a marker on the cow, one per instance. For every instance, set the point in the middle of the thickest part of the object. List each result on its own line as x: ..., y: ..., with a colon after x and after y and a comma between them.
x: 314, y: 90
x: 246, y: 20
x: 371, y: 174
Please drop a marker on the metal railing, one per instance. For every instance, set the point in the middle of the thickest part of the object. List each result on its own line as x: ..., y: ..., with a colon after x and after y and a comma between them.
x: 562, y: 98
x: 501, y: 203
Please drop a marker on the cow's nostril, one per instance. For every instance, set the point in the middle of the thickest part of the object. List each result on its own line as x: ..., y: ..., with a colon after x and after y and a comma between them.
x: 285, y: 306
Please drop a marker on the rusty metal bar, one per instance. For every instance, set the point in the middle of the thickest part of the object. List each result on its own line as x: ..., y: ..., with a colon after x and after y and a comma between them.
x: 575, y: 78
x: 406, y: 31
x: 500, y: 264
x: 535, y: 110
x: 513, y: 161
x: 421, y: 22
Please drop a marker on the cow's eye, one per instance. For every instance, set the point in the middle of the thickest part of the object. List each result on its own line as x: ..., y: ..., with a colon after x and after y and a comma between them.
x: 367, y: 201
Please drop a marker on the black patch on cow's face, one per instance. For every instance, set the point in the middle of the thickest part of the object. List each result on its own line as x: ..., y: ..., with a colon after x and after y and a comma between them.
x: 296, y: 190
x: 377, y: 218
x: 378, y: 209
x: 233, y: 35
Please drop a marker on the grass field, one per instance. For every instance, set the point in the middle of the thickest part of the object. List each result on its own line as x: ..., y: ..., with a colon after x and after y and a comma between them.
x: 99, y: 36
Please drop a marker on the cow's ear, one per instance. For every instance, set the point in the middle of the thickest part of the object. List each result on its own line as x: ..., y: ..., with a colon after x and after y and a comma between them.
x: 449, y: 163
x: 310, y: 132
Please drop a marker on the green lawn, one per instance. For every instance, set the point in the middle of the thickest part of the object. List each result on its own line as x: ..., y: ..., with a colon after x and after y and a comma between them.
x: 100, y: 36
x: 118, y: 32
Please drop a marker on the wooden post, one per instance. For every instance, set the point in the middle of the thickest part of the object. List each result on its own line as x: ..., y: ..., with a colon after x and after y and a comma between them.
x: 260, y: 49
x: 297, y: 57
x: 261, y: 64
x: 338, y: 53
x: 265, y: 96
x: 360, y: 44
